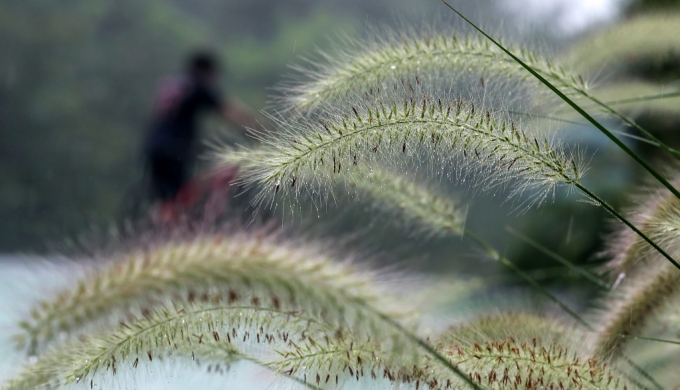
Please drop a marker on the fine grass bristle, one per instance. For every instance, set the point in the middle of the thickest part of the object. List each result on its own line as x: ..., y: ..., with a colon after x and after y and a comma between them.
x: 272, y: 272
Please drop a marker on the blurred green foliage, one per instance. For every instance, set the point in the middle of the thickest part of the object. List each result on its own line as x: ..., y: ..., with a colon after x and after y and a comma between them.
x: 77, y: 78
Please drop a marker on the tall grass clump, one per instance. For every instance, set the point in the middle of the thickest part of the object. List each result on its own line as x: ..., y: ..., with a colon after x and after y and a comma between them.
x: 368, y: 121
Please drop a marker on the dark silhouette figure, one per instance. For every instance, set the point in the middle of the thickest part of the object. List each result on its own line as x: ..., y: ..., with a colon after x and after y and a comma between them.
x: 170, y: 145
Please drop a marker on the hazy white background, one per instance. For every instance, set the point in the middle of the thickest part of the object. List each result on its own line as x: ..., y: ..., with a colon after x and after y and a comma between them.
x: 568, y: 16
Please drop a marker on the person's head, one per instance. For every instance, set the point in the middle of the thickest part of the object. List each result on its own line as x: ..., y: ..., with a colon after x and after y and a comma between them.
x: 203, y: 67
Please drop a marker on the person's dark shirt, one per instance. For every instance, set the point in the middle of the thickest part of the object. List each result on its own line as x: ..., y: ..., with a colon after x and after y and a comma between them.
x: 173, y: 132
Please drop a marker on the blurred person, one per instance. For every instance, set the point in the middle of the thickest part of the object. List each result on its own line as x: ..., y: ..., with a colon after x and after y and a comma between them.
x: 170, y: 147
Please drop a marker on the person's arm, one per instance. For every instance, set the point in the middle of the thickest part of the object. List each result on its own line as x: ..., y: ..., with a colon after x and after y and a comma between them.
x: 241, y: 115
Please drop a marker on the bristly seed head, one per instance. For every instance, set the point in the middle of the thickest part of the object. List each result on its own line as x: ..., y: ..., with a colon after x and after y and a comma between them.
x: 261, y: 269
x: 396, y: 55
x: 472, y: 142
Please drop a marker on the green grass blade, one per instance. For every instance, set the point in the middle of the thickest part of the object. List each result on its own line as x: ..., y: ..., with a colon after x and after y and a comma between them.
x: 653, y: 339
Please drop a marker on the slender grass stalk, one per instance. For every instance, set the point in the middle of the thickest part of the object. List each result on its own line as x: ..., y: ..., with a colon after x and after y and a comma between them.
x: 562, y: 120
x: 438, y: 356
x: 637, y: 231
x: 645, y: 98
x: 599, y: 126
x: 575, y: 106
x: 609, y: 110
x: 654, y: 339
x: 503, y: 260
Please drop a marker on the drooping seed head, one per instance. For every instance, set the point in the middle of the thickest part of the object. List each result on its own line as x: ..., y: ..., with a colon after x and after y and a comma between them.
x: 292, y: 274
x: 394, y: 55
x: 458, y: 137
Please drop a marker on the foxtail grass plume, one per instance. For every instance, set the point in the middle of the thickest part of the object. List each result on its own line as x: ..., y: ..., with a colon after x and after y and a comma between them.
x: 516, y: 350
x: 511, y: 350
x: 523, y: 327
x: 421, y: 206
x: 210, y: 333
x: 304, y: 154
x: 262, y: 269
x: 394, y: 55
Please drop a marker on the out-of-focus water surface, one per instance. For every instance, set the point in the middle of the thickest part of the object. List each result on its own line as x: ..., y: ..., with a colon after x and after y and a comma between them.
x: 23, y: 280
